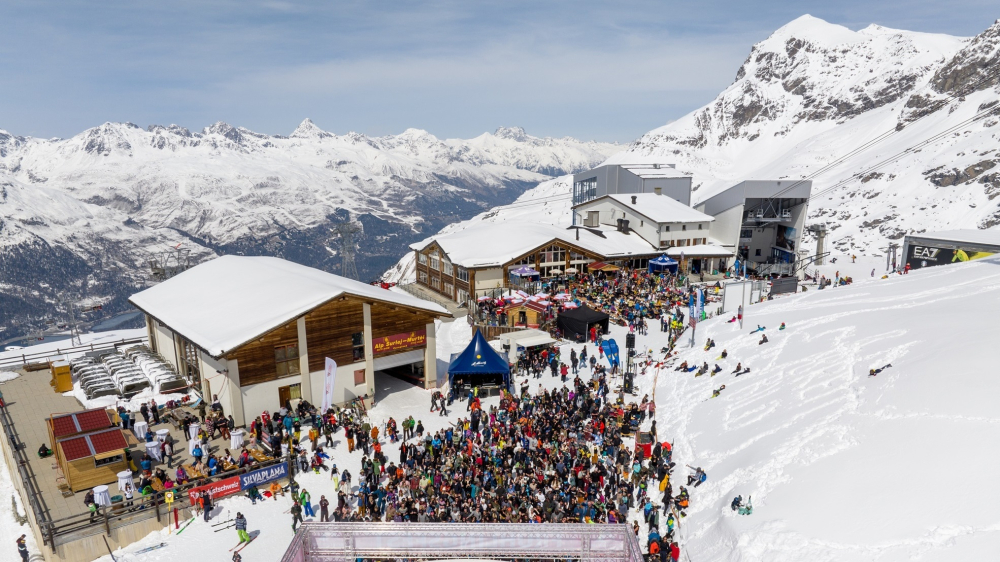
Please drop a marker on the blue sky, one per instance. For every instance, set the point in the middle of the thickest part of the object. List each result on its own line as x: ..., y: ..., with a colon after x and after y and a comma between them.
x: 593, y: 70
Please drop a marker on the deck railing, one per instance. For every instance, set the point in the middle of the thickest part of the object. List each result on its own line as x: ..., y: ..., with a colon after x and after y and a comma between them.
x: 46, y: 356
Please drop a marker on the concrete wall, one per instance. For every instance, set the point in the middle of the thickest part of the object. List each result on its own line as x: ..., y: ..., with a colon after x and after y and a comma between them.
x: 675, y: 188
x: 726, y: 228
x: 489, y: 279
x: 165, y: 345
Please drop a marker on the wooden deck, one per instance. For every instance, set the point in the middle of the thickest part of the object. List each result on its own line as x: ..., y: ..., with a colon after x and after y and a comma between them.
x: 30, y: 400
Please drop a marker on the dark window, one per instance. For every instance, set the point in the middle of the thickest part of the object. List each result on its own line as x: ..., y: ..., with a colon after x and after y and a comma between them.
x: 358, y: 346
x: 756, y: 252
x: 286, y: 360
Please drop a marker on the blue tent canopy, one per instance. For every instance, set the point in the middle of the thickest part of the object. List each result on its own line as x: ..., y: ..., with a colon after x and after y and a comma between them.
x: 663, y: 263
x: 479, y: 363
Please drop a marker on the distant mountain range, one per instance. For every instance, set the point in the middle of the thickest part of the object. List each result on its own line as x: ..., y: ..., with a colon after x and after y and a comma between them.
x: 79, y: 216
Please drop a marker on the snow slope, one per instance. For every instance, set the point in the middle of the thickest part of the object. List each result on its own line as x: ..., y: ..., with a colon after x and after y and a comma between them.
x: 843, y: 466
x: 83, y: 214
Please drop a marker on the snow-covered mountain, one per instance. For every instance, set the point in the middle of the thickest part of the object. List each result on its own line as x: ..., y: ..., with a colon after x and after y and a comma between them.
x: 853, y: 110
x: 896, y: 129
x: 78, y: 215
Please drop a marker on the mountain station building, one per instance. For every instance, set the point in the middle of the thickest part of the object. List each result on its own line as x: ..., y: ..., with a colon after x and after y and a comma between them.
x: 257, y: 331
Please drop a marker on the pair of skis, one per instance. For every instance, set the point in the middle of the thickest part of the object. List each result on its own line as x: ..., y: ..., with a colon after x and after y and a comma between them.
x: 149, y: 548
x: 238, y: 547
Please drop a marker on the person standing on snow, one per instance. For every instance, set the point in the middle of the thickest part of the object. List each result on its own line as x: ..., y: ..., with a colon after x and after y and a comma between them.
x: 241, y: 528
x: 296, y: 514
x: 304, y: 498
x: 324, y: 509
x: 22, y: 548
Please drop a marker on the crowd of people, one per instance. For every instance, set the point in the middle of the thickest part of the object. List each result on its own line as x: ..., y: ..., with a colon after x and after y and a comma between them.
x: 550, y: 456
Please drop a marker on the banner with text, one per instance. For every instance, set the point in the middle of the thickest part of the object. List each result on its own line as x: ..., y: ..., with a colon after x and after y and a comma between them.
x: 217, y: 490
x: 263, y: 475
x: 399, y: 342
x: 328, y: 383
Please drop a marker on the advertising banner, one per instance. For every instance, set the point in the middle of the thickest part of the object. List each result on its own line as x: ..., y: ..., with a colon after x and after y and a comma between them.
x: 328, y: 383
x: 263, y: 475
x: 399, y: 342
x: 216, y: 490
x: 926, y: 256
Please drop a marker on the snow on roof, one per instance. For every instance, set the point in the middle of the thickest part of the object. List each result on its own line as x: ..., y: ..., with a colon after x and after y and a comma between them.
x: 223, y: 303
x: 989, y: 236
x: 700, y: 251
x: 650, y: 172
x: 494, y: 244
x: 659, y: 208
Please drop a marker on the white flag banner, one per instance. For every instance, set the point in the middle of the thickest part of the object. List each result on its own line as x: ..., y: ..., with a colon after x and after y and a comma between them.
x: 328, y: 383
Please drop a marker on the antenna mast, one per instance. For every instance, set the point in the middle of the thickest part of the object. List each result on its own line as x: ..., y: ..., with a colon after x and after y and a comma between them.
x: 347, y: 230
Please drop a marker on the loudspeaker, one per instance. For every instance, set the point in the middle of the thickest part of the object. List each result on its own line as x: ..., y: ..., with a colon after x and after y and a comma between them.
x: 629, y: 341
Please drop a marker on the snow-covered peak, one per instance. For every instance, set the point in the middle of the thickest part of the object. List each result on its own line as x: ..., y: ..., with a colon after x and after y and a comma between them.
x: 513, y: 133
x: 308, y: 130
x: 813, y: 29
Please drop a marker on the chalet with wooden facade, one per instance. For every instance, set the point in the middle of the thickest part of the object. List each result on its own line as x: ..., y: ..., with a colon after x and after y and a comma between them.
x: 471, y: 262
x: 256, y: 331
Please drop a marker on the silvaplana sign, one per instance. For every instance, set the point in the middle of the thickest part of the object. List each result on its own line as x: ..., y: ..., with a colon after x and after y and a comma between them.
x: 263, y: 475
x: 399, y: 341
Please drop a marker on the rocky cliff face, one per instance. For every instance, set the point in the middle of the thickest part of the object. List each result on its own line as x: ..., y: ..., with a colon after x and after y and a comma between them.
x: 79, y: 216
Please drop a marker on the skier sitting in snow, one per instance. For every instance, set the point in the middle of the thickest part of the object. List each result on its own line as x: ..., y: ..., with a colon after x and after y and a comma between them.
x: 725, y: 354
x: 739, y: 367
x: 763, y: 340
x: 737, y: 503
x: 782, y: 327
x: 682, y: 367
x: 716, y: 370
x: 254, y: 494
x: 718, y: 391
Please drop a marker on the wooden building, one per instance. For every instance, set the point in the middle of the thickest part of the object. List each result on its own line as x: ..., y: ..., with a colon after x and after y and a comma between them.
x: 257, y: 332
x: 89, y: 449
x: 472, y: 262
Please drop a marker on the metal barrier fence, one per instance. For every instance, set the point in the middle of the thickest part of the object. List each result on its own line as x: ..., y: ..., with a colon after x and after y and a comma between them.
x: 46, y: 356
x: 316, y: 542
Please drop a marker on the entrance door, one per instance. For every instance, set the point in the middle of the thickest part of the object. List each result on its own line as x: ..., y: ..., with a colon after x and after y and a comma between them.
x: 287, y: 393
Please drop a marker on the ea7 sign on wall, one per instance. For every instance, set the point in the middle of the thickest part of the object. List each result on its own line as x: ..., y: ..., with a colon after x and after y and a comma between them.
x: 398, y: 342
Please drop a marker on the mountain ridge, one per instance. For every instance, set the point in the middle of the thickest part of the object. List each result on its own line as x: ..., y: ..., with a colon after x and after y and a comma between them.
x: 125, y: 191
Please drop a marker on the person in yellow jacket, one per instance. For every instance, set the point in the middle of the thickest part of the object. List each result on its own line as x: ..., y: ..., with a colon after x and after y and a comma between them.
x: 665, y: 482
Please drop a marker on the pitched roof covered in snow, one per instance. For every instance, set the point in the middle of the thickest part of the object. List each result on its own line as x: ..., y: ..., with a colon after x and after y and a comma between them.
x: 494, y: 244
x: 657, y: 208
x: 221, y: 304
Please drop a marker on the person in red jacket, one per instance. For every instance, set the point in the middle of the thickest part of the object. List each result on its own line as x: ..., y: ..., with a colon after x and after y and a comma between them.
x: 675, y: 552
